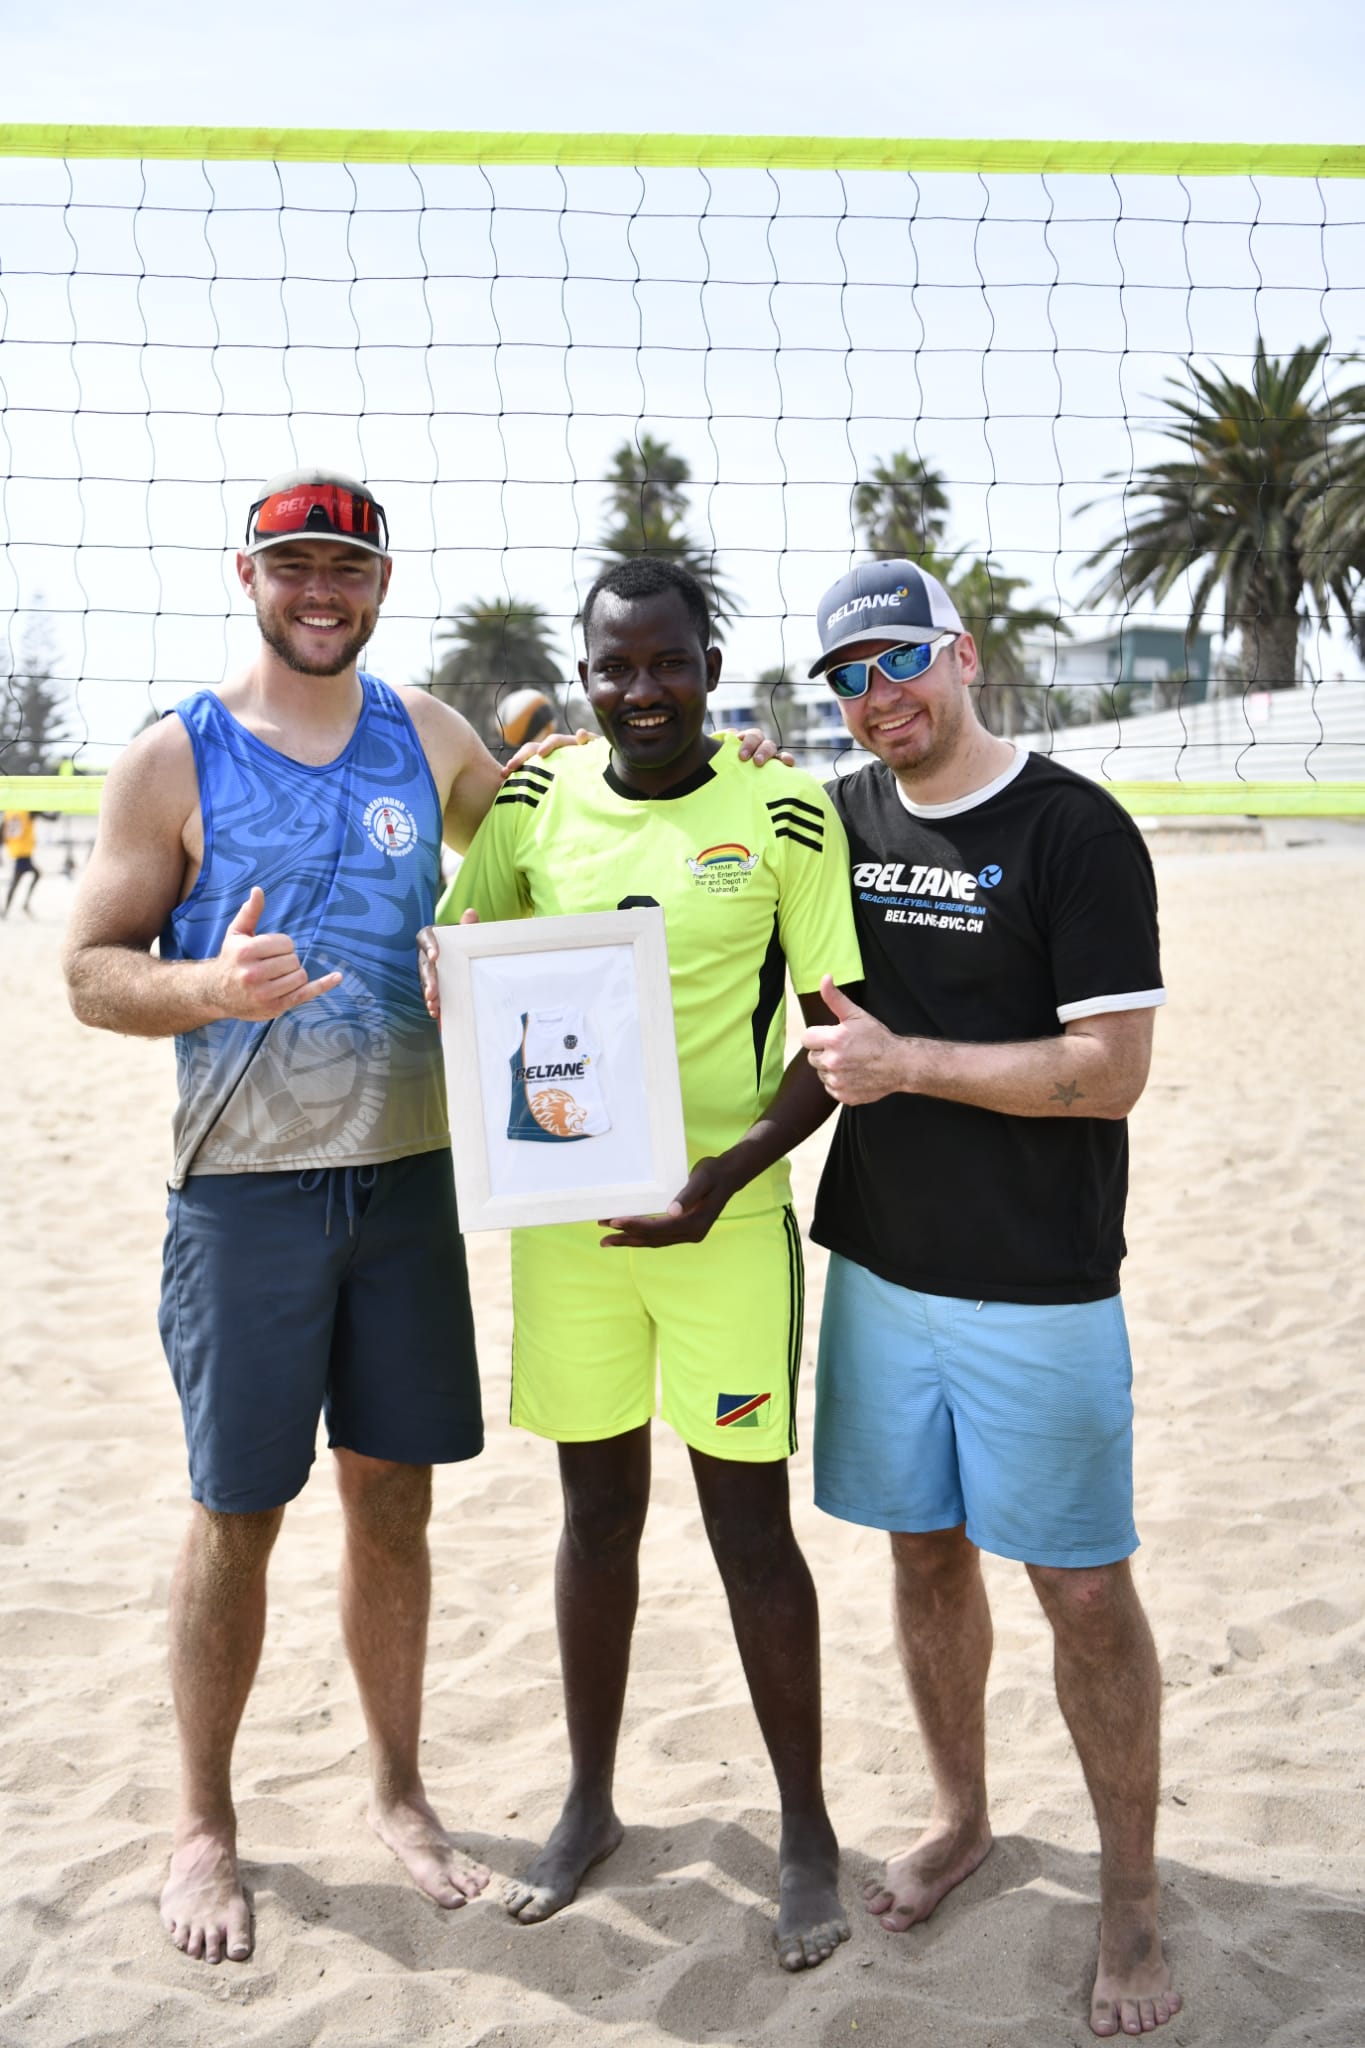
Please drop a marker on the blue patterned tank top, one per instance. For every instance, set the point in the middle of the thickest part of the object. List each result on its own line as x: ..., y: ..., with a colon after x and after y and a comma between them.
x: 349, y: 858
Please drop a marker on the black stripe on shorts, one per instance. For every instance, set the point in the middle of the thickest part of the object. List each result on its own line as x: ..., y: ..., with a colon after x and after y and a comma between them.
x: 796, y: 1316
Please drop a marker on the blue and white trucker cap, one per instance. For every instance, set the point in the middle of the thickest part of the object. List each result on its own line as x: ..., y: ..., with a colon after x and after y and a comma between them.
x: 883, y: 601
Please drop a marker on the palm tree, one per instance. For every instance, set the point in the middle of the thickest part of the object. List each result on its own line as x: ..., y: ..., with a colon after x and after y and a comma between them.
x: 901, y: 509
x: 1011, y: 698
x: 645, y: 486
x: 1252, y: 508
x: 1331, y: 490
x: 496, y: 646
x: 647, y: 510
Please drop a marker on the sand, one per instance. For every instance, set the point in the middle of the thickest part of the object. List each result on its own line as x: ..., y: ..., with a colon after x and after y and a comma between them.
x: 1246, y: 1298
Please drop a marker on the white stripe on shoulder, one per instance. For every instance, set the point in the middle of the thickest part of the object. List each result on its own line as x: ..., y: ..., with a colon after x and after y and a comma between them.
x: 1103, y: 1006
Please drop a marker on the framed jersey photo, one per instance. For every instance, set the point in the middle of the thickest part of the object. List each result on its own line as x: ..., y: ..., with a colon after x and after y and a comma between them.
x: 561, y: 1069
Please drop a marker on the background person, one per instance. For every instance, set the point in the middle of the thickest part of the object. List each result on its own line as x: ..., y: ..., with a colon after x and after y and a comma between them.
x: 20, y: 839
x: 974, y: 1376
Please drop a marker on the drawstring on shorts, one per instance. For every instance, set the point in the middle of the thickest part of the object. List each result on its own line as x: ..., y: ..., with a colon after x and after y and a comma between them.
x: 352, y: 1179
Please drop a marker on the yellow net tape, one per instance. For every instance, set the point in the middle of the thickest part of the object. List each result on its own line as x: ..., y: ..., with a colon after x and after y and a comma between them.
x: 80, y: 795
x: 704, y: 152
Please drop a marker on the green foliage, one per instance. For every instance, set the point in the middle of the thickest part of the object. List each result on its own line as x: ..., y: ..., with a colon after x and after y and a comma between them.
x: 1258, y: 507
x: 1009, y: 697
x: 901, y: 509
x: 646, y: 491
x: 1064, y: 707
x: 647, y: 508
x: 496, y: 646
x: 34, y: 733
x: 1329, y: 497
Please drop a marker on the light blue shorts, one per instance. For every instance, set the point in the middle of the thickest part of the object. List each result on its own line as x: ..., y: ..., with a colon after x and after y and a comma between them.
x: 1015, y: 1418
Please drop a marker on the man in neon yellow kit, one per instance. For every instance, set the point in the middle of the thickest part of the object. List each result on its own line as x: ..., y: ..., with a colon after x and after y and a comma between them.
x: 750, y: 872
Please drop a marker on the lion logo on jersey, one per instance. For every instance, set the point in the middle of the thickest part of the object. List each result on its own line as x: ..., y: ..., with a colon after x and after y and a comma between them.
x: 556, y: 1111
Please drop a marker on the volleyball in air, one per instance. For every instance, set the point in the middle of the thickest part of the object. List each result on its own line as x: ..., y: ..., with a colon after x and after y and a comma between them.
x: 525, y: 715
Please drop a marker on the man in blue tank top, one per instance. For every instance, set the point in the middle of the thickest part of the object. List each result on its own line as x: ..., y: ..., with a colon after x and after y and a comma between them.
x: 280, y: 838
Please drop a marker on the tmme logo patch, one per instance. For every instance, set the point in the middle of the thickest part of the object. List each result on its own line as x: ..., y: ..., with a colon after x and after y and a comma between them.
x: 723, y: 870
x: 390, y: 825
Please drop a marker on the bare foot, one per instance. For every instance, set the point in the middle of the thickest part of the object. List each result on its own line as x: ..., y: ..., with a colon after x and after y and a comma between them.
x: 810, y: 1919
x: 1132, y: 1992
x: 411, y: 1829
x: 579, y: 1840
x: 924, y: 1873
x: 203, y: 1906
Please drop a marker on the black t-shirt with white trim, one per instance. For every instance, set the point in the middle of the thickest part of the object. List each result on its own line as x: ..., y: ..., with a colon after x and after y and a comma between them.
x: 999, y: 918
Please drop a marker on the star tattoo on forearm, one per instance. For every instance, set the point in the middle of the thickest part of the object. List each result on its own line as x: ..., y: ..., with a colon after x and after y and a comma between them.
x: 1067, y: 1092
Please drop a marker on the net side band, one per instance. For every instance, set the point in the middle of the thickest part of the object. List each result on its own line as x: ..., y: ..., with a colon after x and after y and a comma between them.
x: 79, y: 796
x: 702, y: 152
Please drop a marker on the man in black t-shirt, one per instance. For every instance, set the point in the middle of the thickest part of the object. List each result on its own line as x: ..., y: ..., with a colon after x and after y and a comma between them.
x: 974, y: 1379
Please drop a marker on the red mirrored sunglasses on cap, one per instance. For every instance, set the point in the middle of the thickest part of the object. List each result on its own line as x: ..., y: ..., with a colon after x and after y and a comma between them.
x: 329, y: 511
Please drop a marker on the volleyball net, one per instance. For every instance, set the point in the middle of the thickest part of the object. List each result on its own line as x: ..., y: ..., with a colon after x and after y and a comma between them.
x: 1111, y: 393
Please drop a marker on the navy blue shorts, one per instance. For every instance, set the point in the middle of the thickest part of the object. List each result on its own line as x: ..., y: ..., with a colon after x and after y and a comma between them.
x: 341, y: 1291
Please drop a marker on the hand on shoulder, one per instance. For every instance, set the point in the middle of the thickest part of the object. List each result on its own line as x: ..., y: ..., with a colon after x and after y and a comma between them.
x: 541, y: 749
x: 757, y: 747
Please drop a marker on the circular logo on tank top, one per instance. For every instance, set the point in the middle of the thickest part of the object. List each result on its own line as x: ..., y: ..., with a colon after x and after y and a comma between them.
x: 390, y: 825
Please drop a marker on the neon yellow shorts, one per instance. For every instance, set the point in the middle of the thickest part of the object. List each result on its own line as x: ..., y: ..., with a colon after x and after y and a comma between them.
x: 716, y: 1324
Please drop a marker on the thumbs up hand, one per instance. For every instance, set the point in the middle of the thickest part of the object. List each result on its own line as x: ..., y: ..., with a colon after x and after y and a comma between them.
x: 856, y: 1058
x: 258, y: 974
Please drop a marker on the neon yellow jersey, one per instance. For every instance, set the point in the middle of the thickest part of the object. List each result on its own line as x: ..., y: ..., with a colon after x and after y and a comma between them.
x: 750, y: 868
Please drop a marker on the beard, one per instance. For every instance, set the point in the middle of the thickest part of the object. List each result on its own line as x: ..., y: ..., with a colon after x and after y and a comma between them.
x: 949, y: 715
x: 276, y: 637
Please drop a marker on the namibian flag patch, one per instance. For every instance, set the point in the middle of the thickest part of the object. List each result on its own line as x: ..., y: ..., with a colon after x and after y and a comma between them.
x: 740, y: 1411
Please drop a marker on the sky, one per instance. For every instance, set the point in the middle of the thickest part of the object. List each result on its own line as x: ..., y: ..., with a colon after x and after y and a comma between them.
x: 1175, y: 72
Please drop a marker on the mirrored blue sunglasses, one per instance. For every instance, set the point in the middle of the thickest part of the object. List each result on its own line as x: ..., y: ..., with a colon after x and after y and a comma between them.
x: 897, y: 664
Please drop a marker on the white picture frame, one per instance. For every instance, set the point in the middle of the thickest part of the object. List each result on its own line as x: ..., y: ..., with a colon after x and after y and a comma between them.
x: 583, y: 1005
